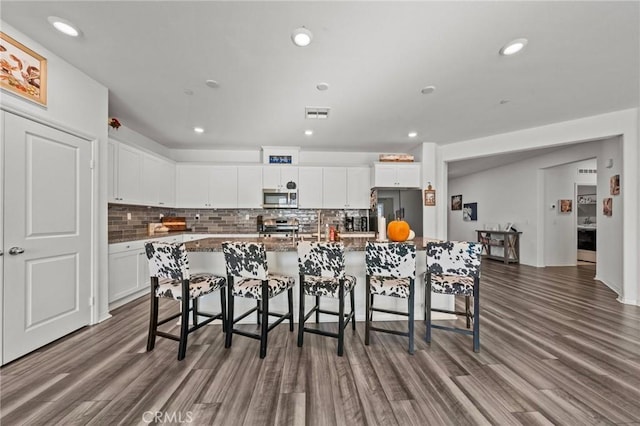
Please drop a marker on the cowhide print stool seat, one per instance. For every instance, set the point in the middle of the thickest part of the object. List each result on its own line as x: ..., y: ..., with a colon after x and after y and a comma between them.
x: 248, y: 276
x: 454, y: 268
x: 322, y: 273
x: 391, y: 271
x: 170, y: 278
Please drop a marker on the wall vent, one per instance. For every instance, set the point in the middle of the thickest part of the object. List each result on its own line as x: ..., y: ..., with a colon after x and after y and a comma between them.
x: 587, y: 171
x: 316, y: 113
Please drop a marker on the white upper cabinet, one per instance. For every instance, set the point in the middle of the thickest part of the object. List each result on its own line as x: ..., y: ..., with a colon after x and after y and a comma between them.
x: 167, y: 184
x: 112, y: 171
x: 346, y: 187
x: 277, y: 177
x: 396, y: 175
x: 192, y: 186
x: 310, y: 187
x: 223, y: 186
x: 129, y: 175
x: 135, y: 177
x: 358, y: 187
x: 250, y: 187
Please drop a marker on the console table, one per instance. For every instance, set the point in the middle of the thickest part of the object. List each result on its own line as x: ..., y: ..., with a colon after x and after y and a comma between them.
x: 500, y: 245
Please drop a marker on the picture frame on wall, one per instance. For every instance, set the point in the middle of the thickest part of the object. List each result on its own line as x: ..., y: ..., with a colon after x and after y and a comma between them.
x: 470, y: 212
x: 614, y: 185
x: 566, y: 206
x: 456, y: 202
x: 429, y: 197
x: 607, y: 207
x: 23, y: 71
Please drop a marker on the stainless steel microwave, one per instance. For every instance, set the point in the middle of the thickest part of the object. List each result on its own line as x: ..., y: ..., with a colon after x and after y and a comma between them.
x: 280, y: 198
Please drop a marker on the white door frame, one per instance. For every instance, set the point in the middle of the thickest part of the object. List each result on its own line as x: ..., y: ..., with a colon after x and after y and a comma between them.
x: 98, y: 275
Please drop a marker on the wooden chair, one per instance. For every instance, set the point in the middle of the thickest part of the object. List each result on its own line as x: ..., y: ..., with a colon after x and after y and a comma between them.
x: 391, y: 271
x: 248, y: 276
x: 454, y: 268
x: 322, y: 274
x: 170, y: 278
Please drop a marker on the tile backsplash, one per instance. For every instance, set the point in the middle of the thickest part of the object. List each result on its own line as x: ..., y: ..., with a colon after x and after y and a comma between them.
x: 223, y: 221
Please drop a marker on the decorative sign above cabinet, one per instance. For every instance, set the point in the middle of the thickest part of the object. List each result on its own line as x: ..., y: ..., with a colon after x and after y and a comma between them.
x: 279, y: 159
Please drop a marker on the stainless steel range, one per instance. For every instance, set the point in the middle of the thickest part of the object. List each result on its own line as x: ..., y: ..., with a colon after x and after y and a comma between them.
x: 278, y: 227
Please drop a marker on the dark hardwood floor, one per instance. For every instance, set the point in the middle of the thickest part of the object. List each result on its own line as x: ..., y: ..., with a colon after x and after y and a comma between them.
x: 556, y: 348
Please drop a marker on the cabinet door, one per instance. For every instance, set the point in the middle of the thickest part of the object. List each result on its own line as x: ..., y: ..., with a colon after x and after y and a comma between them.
x: 223, y: 187
x: 385, y: 176
x: 408, y: 175
x: 144, y: 280
x: 271, y: 177
x: 358, y: 187
x: 288, y: 174
x: 123, y: 274
x: 167, y: 184
x: 192, y: 186
x: 334, y: 187
x: 151, y: 170
x: 310, y: 187
x: 129, y: 174
x: 250, y: 187
x: 112, y: 171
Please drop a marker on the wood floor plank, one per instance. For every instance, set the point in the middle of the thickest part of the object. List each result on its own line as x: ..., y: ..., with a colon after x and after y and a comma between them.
x: 556, y: 348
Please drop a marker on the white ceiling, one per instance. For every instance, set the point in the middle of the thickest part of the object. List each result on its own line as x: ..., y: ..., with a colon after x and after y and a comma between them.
x: 582, y: 59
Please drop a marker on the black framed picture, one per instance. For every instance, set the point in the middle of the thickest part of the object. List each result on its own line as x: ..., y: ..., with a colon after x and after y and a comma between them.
x: 456, y: 202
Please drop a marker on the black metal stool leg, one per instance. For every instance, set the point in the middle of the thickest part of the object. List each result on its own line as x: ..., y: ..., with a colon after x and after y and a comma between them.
x: 153, y: 316
x: 476, y: 315
x: 467, y: 311
x: 367, y: 321
x: 317, y: 309
x: 184, y: 329
x: 411, y: 314
x: 341, y: 319
x: 194, y: 311
x: 264, y: 327
x: 427, y: 304
x: 229, y: 336
x: 301, y: 314
x: 223, y: 309
x: 290, y: 298
x: 353, y: 309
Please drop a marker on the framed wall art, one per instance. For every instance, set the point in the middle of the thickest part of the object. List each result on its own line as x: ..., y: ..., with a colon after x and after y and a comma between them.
x: 429, y: 196
x: 456, y: 202
x: 614, y: 185
x: 22, y: 71
x: 607, y: 206
x: 470, y: 212
x: 566, y: 206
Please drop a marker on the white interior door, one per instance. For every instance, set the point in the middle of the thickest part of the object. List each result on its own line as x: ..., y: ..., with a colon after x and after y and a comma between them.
x: 47, y: 235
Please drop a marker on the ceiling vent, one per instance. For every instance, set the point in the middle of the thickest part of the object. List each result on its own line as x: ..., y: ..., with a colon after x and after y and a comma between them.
x: 587, y: 171
x: 316, y: 113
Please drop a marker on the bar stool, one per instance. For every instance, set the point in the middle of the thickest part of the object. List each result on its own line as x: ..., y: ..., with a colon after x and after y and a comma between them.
x: 322, y: 274
x: 248, y: 276
x: 454, y: 268
x: 391, y: 271
x: 170, y: 278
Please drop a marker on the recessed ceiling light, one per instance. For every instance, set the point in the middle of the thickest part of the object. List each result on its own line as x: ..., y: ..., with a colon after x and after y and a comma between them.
x: 322, y: 86
x: 308, y: 132
x: 301, y: 37
x: 64, y: 26
x: 513, y: 46
x: 198, y: 129
x: 188, y: 92
x: 504, y: 101
x: 428, y: 90
x: 412, y: 134
x: 212, y: 83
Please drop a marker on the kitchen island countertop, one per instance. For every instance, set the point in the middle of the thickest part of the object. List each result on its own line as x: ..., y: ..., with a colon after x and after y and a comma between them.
x: 214, y: 244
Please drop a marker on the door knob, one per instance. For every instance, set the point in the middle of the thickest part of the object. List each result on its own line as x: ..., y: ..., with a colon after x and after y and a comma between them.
x: 16, y: 250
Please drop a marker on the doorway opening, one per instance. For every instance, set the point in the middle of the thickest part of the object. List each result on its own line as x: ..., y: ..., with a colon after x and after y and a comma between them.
x: 586, y: 208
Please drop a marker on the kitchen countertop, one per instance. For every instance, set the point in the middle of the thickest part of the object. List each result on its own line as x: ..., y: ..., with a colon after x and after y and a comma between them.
x: 214, y: 244
x: 142, y: 237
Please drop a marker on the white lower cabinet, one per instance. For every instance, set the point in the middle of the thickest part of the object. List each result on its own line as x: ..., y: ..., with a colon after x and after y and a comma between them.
x: 129, y: 267
x: 128, y: 270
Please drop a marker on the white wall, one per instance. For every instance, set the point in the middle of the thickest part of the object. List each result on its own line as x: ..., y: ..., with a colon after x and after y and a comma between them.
x: 560, y: 232
x: 610, y: 229
x: 620, y: 123
x: 79, y: 104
